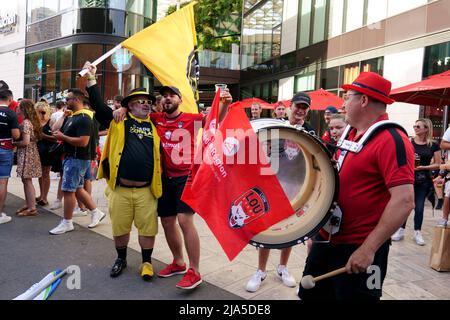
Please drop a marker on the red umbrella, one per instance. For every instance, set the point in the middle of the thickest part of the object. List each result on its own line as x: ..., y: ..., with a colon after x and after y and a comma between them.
x: 433, y: 91
x: 321, y: 99
x: 247, y: 103
x: 286, y: 103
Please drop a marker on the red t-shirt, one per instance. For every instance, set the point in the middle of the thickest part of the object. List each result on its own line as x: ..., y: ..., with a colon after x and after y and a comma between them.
x: 13, y: 106
x: 177, y: 140
x: 365, y: 180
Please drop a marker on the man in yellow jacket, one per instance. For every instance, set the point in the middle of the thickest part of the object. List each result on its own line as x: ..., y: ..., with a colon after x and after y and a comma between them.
x: 130, y: 163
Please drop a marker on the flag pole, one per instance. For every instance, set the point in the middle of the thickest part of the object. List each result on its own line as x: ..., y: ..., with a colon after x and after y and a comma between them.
x: 102, y: 58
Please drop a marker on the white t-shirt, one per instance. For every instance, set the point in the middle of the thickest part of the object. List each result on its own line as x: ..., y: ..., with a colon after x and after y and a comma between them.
x: 56, y: 116
x: 446, y: 138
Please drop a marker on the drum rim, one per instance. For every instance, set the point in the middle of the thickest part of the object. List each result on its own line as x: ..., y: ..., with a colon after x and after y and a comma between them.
x: 326, y: 217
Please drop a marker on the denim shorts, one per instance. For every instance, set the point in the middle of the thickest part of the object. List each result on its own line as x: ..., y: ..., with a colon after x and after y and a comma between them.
x: 74, y: 171
x: 6, y: 163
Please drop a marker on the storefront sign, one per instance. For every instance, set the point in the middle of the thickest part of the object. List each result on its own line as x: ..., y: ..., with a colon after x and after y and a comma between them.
x: 8, y: 22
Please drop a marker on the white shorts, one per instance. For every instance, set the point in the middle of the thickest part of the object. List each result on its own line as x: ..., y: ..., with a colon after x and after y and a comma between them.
x: 447, y: 189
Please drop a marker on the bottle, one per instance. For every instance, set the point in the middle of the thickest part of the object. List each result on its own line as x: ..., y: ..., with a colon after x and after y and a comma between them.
x: 416, y: 160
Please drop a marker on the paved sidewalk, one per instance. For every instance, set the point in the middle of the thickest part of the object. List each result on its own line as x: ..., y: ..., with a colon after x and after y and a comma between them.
x: 409, y: 276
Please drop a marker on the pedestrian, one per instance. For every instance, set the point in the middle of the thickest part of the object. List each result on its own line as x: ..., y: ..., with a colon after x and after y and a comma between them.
x: 445, y: 145
x: 75, y: 135
x: 425, y: 150
x: 44, y: 145
x: 55, y: 116
x: 279, y: 111
x: 130, y: 163
x: 330, y: 110
x: 255, y: 111
x: 28, y: 160
x: 9, y: 131
x: 376, y: 195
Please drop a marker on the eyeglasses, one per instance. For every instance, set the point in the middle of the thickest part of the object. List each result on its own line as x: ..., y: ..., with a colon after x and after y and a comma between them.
x: 149, y: 102
x: 419, y: 127
x: 347, y: 95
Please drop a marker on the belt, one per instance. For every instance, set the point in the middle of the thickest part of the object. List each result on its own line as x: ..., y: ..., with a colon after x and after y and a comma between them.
x: 127, y: 186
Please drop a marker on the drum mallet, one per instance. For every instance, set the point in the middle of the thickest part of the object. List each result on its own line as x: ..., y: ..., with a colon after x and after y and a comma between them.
x: 308, y: 282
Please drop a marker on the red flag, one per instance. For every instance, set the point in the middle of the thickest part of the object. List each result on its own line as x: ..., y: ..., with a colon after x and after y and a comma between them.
x: 209, y: 130
x: 229, y: 191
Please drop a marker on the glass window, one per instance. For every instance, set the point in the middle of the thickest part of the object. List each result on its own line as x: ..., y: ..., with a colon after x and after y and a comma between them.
x: 133, y: 24
x: 117, y: 4
x: 91, y: 20
x: 373, y: 65
x: 376, y: 11
x: 320, y: 11
x: 354, y: 15
x: 49, y: 62
x: 305, y: 80
x: 336, y: 17
x: 33, y: 63
x: 86, y: 52
x: 276, y: 41
x: 349, y: 73
x: 64, y: 58
x: 68, y: 23
x: 329, y: 78
x: 65, y: 4
x: 51, y: 7
x: 48, y: 83
x: 93, y: 3
x: 115, y: 23
x: 112, y: 85
x: 136, y: 6
x: 305, y: 23
x: 64, y: 82
x: 436, y: 59
x: 398, y: 6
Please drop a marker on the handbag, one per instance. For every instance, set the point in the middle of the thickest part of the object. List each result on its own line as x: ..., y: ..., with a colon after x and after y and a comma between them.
x: 440, y: 249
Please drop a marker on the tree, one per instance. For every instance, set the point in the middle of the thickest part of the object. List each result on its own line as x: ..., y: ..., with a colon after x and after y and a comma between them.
x: 218, y: 23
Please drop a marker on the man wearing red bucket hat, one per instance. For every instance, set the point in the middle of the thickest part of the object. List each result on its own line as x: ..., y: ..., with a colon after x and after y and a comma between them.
x: 376, y: 195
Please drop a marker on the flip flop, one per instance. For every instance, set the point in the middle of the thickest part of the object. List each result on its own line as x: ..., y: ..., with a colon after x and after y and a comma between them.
x: 21, y: 209
x: 42, y: 203
x: 28, y: 213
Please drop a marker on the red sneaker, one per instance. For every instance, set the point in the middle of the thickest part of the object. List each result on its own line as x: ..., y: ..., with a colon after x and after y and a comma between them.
x: 190, y: 280
x: 172, y: 269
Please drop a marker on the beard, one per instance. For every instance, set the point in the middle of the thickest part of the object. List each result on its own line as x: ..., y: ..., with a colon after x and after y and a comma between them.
x: 170, y: 108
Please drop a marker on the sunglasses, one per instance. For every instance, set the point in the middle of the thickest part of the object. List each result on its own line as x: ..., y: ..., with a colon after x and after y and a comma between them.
x: 149, y: 102
x: 43, y: 113
x: 419, y: 127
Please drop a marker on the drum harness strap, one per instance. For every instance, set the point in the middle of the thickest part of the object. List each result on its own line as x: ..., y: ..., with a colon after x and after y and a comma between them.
x: 332, y: 227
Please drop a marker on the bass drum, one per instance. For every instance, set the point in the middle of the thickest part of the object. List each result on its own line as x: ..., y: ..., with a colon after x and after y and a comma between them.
x: 309, y: 178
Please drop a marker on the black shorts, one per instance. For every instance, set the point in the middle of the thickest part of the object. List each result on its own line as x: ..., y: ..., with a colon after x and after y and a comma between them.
x: 325, y: 257
x: 170, y: 203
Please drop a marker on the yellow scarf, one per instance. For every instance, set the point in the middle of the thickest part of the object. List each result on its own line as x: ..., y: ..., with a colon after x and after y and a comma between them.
x: 85, y: 111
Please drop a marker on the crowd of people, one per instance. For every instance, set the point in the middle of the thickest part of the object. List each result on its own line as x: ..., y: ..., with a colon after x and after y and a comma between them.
x: 129, y: 142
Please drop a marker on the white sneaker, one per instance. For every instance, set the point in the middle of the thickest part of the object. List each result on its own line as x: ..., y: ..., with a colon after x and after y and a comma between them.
x: 285, y: 276
x: 63, y: 227
x: 255, y: 281
x: 418, y: 238
x: 398, y: 235
x: 4, y: 218
x: 97, y: 216
x: 78, y: 212
x: 442, y: 223
x: 56, y: 205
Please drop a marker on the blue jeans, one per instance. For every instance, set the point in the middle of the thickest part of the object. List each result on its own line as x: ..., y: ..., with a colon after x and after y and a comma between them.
x: 6, y: 163
x: 74, y: 171
x: 421, y: 192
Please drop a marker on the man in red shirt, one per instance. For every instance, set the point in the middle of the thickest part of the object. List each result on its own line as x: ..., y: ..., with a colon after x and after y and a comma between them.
x: 178, y: 131
x: 376, y: 196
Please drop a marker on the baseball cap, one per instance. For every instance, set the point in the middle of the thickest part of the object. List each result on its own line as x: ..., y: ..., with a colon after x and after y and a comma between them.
x: 3, y: 85
x: 170, y: 88
x: 331, y: 109
x: 301, y: 97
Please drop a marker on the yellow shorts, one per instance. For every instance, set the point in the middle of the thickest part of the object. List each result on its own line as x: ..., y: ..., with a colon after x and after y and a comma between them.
x: 128, y: 204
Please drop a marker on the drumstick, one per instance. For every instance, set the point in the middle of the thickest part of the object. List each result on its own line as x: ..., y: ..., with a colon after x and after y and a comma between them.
x: 308, y: 282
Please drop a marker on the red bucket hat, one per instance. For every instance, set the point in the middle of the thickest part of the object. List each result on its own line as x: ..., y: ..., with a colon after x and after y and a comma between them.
x: 373, y: 85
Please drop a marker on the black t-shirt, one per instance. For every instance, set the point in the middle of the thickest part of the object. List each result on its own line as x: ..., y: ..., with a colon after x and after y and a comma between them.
x: 136, y: 163
x: 78, y: 126
x: 93, y: 141
x: 426, y: 153
x: 8, y: 121
x: 44, y: 145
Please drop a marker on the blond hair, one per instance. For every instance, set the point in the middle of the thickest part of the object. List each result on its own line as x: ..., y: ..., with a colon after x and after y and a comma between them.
x: 44, y: 106
x: 429, y: 125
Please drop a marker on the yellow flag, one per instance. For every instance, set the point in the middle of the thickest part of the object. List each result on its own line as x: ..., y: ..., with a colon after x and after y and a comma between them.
x: 168, y: 48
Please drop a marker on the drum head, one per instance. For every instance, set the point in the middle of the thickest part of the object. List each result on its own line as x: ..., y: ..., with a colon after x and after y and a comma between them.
x: 308, y: 177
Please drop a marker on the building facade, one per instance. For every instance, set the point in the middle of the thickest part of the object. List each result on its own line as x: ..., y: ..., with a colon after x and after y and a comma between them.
x: 303, y: 45
x: 62, y: 34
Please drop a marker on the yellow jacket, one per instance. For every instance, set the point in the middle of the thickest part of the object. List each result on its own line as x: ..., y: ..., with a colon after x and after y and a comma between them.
x: 115, y: 142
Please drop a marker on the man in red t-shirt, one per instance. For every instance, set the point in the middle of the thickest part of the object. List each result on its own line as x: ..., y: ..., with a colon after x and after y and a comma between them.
x: 376, y: 196
x: 178, y: 131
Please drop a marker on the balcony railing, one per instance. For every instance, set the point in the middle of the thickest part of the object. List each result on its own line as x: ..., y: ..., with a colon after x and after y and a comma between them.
x: 219, y: 60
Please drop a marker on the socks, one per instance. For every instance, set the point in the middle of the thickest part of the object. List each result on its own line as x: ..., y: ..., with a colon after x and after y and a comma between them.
x: 122, y: 253
x: 147, y: 255
x: 67, y: 221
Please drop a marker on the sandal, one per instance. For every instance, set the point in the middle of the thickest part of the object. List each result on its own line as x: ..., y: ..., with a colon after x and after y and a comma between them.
x: 21, y: 209
x: 28, y: 213
x: 42, y: 203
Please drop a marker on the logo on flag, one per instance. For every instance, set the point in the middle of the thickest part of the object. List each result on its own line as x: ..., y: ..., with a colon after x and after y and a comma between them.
x: 193, y: 71
x: 230, y: 146
x: 250, y: 206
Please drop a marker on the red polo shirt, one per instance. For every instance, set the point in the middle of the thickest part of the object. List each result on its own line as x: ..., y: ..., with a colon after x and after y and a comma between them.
x: 365, y: 180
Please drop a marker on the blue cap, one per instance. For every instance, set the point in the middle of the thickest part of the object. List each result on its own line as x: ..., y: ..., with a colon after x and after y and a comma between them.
x: 331, y: 109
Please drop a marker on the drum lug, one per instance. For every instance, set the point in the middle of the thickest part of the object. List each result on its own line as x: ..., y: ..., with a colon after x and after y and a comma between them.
x: 334, y: 223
